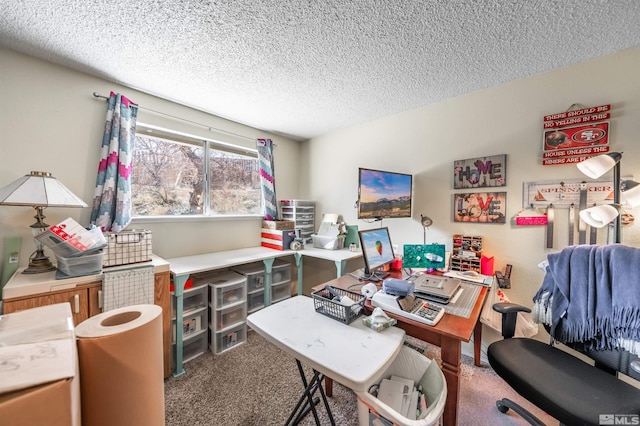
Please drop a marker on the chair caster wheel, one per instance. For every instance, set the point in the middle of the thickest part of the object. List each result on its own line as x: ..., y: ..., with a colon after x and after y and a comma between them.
x: 501, y: 407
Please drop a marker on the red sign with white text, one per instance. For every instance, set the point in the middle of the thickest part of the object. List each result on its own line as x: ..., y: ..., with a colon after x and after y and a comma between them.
x: 589, y: 135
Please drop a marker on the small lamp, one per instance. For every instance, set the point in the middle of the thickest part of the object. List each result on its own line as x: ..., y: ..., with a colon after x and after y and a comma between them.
x: 39, y: 190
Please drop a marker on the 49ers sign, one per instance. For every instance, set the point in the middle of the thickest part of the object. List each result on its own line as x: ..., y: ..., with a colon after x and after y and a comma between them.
x: 564, y: 142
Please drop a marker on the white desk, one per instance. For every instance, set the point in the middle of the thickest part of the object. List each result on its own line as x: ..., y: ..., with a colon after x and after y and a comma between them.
x: 182, y: 267
x: 353, y: 354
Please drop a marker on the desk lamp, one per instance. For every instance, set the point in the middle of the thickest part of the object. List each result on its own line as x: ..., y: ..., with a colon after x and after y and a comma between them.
x: 39, y: 190
x: 599, y: 216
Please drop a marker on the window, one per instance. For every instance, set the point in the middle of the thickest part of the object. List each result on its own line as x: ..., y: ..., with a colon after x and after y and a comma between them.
x: 175, y: 174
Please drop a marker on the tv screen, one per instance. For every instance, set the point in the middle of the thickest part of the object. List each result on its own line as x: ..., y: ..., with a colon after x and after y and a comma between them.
x: 376, y: 249
x: 383, y: 194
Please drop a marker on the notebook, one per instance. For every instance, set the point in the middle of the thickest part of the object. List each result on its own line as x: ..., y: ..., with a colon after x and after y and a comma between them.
x: 426, y: 256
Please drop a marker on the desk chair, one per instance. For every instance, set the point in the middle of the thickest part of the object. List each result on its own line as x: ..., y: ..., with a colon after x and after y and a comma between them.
x: 567, y: 388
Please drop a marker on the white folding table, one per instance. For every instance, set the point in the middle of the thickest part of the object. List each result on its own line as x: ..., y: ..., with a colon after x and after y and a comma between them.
x: 353, y: 354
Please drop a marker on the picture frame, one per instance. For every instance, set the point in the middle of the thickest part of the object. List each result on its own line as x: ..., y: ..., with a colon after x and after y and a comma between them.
x: 480, y: 172
x: 480, y: 207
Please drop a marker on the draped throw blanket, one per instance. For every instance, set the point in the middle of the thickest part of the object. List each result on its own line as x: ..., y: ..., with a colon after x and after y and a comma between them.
x: 112, y: 199
x: 267, y: 178
x: 590, y: 296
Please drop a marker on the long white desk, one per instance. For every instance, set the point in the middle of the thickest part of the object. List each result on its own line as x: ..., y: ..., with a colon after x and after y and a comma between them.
x: 353, y: 354
x: 183, y: 267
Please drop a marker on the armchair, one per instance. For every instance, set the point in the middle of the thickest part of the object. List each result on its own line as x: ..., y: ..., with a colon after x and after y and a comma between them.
x: 572, y: 391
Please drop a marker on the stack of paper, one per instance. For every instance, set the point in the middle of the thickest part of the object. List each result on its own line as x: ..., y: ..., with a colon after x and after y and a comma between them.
x: 401, y: 395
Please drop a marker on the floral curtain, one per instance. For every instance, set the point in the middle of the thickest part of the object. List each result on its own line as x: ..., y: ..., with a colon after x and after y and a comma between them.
x: 267, y: 178
x: 112, y: 199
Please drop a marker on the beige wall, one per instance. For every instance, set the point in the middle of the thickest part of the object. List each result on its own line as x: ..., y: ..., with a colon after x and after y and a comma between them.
x: 50, y: 121
x: 502, y: 120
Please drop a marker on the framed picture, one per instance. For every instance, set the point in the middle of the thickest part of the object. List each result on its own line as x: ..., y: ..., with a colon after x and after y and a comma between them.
x: 482, y: 172
x: 480, y: 207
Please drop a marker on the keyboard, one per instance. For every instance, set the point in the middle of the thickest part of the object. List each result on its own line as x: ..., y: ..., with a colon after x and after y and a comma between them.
x: 420, y: 310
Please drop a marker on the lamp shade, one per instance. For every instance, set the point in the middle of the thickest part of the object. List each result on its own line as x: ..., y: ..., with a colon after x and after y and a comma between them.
x: 599, y: 216
x: 595, y: 167
x: 39, y: 189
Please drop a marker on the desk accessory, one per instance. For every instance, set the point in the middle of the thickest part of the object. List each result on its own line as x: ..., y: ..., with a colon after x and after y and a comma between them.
x: 397, y: 286
x: 323, y: 303
x: 378, y: 320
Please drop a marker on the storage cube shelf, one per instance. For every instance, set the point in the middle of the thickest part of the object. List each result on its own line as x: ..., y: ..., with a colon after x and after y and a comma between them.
x: 467, y: 253
x: 302, y: 213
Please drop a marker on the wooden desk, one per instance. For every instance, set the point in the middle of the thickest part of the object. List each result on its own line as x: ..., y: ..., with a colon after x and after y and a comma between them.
x: 448, y: 334
x: 329, y: 347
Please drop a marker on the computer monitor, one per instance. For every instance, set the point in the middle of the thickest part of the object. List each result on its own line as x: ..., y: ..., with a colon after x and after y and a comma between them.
x: 376, y: 249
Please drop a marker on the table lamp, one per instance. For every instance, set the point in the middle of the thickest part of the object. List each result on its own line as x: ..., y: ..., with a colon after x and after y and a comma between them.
x: 39, y: 190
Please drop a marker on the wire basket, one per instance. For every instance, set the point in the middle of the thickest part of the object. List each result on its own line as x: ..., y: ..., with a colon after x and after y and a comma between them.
x: 325, y: 304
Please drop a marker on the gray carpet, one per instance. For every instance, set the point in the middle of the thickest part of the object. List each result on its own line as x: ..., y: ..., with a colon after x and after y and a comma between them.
x: 258, y: 384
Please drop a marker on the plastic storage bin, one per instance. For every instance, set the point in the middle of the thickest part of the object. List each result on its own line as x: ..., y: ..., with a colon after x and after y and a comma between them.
x: 228, y: 339
x: 227, y: 288
x: 82, y: 265
x: 412, y: 365
x: 328, y: 243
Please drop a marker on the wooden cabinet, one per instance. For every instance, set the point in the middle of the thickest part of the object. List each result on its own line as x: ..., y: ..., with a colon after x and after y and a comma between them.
x: 85, y: 300
x: 78, y: 298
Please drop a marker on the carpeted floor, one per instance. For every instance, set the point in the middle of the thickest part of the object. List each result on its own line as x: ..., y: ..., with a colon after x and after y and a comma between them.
x: 258, y: 384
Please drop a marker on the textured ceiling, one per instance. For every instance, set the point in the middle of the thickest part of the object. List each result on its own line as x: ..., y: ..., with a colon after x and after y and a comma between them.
x: 305, y: 68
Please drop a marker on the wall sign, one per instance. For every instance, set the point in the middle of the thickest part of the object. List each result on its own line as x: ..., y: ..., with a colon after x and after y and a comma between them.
x: 573, y: 136
x: 482, y: 172
x: 480, y: 207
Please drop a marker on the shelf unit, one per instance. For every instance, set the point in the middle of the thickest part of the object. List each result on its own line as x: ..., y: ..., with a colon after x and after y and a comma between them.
x: 302, y: 212
x: 228, y: 311
x: 467, y: 253
x: 194, y: 322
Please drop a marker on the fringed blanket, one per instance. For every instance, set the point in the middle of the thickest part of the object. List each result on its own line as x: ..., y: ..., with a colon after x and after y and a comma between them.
x: 590, y: 296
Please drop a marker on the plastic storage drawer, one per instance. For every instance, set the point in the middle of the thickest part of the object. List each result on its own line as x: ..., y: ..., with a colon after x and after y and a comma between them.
x: 229, y: 317
x: 280, y: 273
x: 280, y: 292
x: 255, y: 275
x: 192, y: 298
x: 193, y: 324
x: 255, y: 301
x: 227, y: 290
x: 223, y: 341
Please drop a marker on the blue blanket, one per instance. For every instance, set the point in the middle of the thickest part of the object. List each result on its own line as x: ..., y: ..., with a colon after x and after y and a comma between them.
x: 593, y: 294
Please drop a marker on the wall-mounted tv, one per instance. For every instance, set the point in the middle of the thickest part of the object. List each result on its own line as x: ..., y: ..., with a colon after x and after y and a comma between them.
x: 383, y: 194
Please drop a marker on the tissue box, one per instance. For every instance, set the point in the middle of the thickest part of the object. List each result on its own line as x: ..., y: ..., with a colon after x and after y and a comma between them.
x: 328, y: 243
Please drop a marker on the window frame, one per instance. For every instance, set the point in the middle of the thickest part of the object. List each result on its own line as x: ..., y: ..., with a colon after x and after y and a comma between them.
x: 208, y: 144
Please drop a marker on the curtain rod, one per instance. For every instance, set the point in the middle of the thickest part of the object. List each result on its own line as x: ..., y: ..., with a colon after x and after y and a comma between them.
x: 97, y: 95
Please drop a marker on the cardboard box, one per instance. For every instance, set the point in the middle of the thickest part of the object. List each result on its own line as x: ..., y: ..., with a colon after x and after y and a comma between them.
x: 278, y: 224
x: 277, y: 239
x: 41, y: 385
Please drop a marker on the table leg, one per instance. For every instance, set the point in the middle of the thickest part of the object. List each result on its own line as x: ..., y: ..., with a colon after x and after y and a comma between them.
x: 306, y: 402
x: 268, y: 265
x: 340, y: 265
x: 477, y: 343
x: 328, y: 386
x: 450, y: 352
x: 178, y: 285
x: 298, y: 257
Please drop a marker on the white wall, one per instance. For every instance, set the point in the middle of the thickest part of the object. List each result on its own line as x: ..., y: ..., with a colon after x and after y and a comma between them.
x: 502, y: 120
x: 50, y: 121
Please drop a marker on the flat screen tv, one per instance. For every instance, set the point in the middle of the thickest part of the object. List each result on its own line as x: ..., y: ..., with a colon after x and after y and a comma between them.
x: 383, y: 194
x: 376, y: 249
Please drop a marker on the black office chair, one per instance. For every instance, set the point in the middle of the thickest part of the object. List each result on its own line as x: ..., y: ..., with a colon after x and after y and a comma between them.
x: 567, y: 388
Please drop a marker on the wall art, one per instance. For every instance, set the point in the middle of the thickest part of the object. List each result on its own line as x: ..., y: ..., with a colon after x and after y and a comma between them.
x: 481, y: 172
x: 480, y: 207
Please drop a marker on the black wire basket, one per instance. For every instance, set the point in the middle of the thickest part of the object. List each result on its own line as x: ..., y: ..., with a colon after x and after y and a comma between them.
x: 327, y: 304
